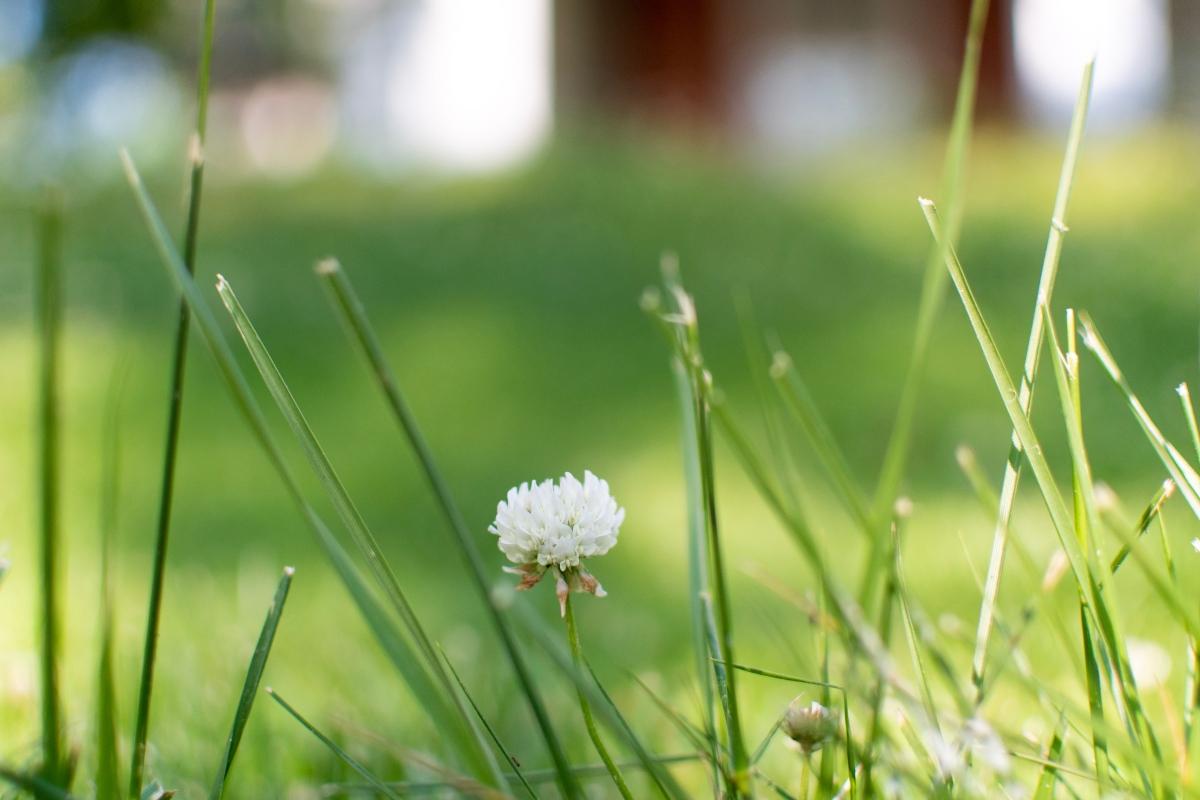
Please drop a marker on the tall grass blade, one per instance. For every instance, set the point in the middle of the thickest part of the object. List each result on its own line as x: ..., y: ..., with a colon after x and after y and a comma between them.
x: 1049, y: 776
x: 473, y: 744
x: 39, y: 788
x: 688, y: 337
x: 332, y: 746
x: 174, y: 413
x: 49, y: 312
x: 1033, y: 350
x: 934, y: 281
x: 1061, y: 517
x: 392, y: 640
x: 258, y: 663
x: 354, y: 313
x: 697, y: 555
x: 108, y: 785
x: 803, y: 407
x: 1177, y: 466
x: 585, y: 707
x: 1147, y: 518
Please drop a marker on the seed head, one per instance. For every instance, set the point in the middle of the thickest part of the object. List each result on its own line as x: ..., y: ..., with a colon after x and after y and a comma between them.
x: 809, y: 726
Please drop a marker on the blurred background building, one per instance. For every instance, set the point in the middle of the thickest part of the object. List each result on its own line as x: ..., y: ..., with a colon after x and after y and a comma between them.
x: 453, y: 86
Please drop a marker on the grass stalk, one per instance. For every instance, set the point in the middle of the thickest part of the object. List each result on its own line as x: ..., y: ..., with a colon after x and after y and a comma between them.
x: 108, y: 785
x: 354, y: 314
x: 585, y: 708
x: 699, y: 380
x: 368, y: 545
x: 1062, y: 518
x: 934, y: 281
x: 258, y: 663
x: 49, y: 314
x: 697, y: 557
x: 174, y: 414
x: 1033, y: 351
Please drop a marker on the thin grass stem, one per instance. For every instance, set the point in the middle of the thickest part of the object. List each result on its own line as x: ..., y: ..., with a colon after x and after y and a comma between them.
x: 108, y: 781
x: 49, y: 315
x: 1033, y: 350
x: 174, y: 414
x: 934, y: 281
x: 258, y: 663
x: 585, y: 708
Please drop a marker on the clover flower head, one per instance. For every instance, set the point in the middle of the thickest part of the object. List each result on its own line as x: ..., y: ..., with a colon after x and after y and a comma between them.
x: 809, y: 726
x: 548, y: 526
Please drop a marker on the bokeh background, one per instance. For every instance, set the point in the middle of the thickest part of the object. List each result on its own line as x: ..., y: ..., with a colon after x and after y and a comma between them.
x: 500, y: 179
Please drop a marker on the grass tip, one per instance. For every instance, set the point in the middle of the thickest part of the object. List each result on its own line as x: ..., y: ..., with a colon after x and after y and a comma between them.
x: 131, y: 173
x: 269, y: 691
x: 903, y: 507
x: 1106, y: 498
x: 222, y: 284
x: 289, y: 571
x: 781, y: 362
x: 1196, y: 545
x: 1182, y: 390
x: 651, y: 299
x: 668, y: 264
x: 926, y: 202
x: 327, y: 266
x: 195, y: 149
x: 1168, y: 488
x: 1059, y: 563
x: 965, y: 456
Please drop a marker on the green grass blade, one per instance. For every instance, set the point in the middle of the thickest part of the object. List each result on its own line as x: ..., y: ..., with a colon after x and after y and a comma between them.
x: 342, y: 755
x: 258, y: 663
x: 39, y: 788
x: 1033, y: 350
x: 108, y: 781
x: 471, y: 739
x: 49, y: 313
x: 174, y: 414
x: 1061, y: 517
x: 934, y: 281
x: 354, y: 314
x: 585, y: 707
x: 915, y: 641
x: 1189, y: 413
x: 1148, y: 515
x: 1049, y: 775
x: 718, y: 582
x: 512, y: 761
x: 1184, y: 475
x: 697, y: 552
x: 381, y: 625
x: 800, y: 403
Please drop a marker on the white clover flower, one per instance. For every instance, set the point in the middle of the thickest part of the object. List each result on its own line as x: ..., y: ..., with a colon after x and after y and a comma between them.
x: 548, y: 526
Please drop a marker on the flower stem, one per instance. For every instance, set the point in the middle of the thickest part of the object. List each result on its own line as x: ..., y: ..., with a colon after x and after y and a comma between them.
x: 805, y: 779
x: 585, y: 707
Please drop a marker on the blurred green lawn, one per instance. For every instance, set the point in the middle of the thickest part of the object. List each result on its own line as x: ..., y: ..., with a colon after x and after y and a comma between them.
x: 509, y: 308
